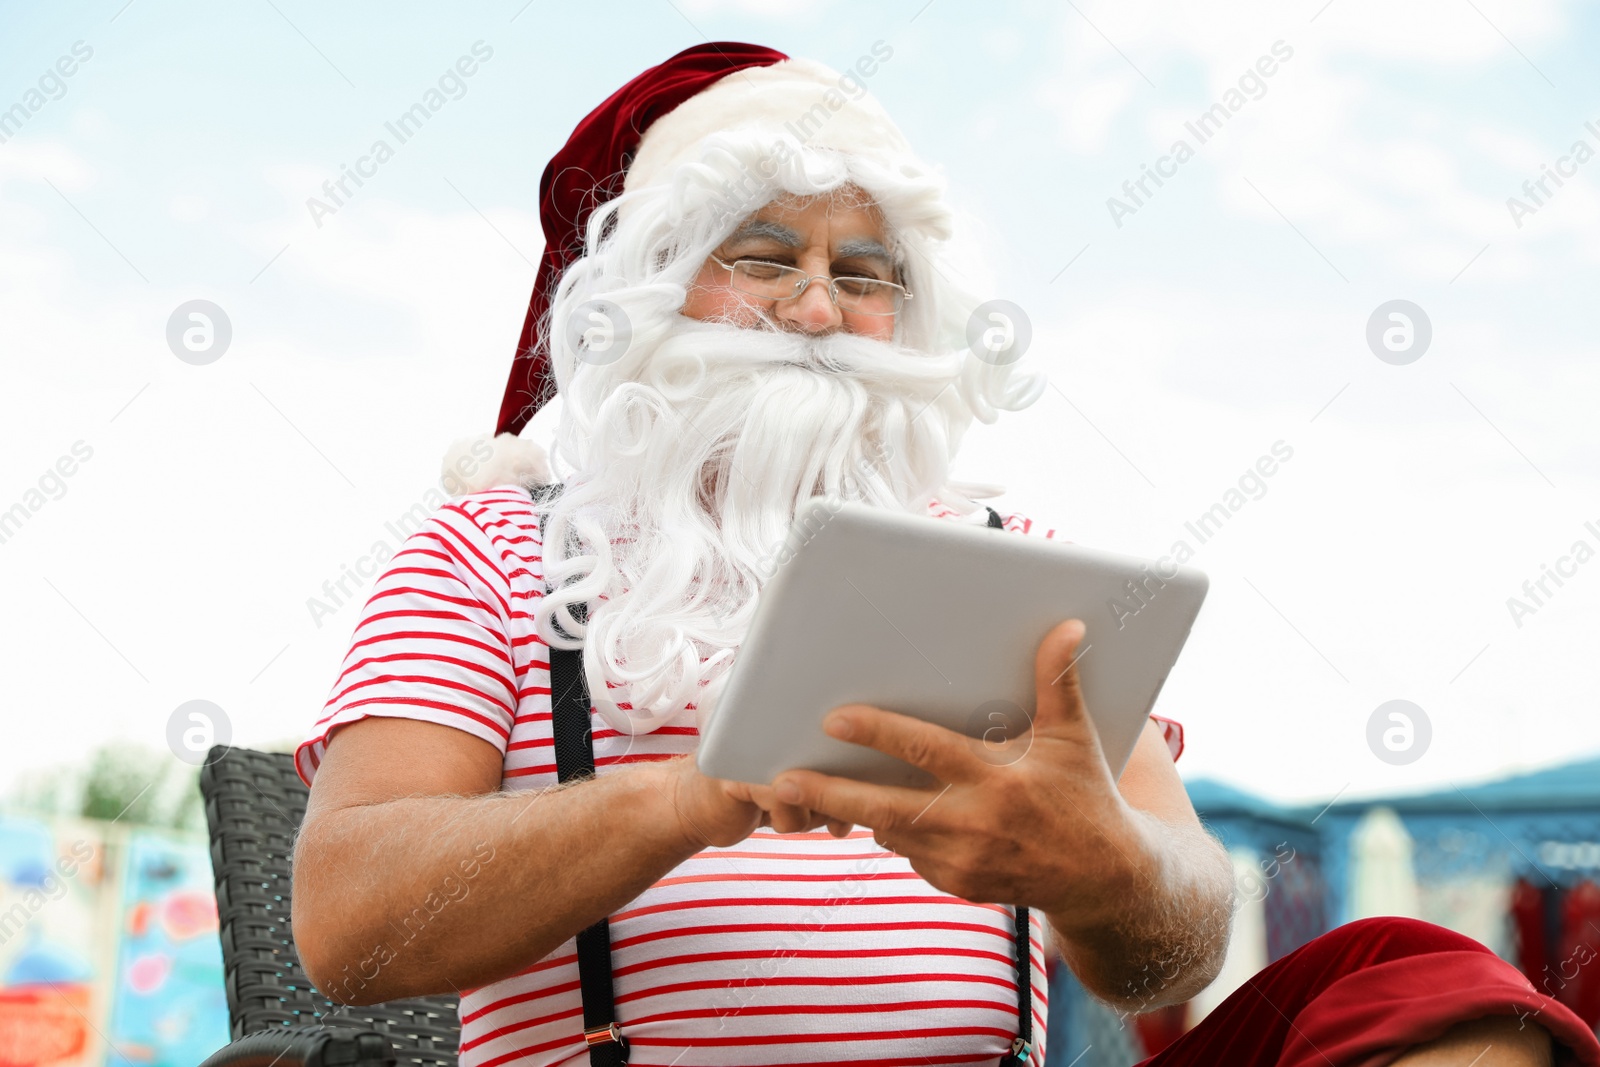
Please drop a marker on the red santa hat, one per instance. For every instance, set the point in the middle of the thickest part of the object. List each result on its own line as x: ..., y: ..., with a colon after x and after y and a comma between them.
x: 636, y: 138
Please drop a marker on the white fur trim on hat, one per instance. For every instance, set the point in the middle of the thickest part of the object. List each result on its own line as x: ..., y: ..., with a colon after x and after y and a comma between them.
x: 473, y: 464
x: 811, y: 100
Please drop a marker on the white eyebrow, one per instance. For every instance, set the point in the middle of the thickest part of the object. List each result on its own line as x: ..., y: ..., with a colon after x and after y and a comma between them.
x: 772, y: 231
x: 862, y: 248
x: 849, y: 248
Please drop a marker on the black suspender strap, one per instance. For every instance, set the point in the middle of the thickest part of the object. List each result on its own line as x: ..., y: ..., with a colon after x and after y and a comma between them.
x: 1022, y: 1046
x: 574, y: 745
x: 569, y: 708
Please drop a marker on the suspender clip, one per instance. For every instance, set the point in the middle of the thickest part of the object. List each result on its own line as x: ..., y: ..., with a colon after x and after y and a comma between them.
x: 601, y: 1035
x: 1021, y: 1050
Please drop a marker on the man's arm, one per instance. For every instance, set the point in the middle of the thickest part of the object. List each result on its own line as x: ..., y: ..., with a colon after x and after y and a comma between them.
x: 414, y: 874
x: 1166, y: 940
x: 1137, y: 892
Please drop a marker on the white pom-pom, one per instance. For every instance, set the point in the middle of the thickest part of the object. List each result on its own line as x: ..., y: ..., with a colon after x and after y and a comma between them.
x: 473, y: 464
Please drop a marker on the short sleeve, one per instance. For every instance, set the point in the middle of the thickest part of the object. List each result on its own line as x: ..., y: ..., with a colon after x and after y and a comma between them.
x: 1172, y: 733
x: 433, y: 642
x: 1022, y: 524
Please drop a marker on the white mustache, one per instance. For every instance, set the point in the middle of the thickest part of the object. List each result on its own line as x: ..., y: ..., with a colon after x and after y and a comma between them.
x: 879, y: 363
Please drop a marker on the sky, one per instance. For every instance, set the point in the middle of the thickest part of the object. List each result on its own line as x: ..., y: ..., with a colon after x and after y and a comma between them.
x: 180, y: 516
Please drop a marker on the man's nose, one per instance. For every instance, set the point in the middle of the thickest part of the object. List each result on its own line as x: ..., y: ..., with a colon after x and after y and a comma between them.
x: 813, y: 311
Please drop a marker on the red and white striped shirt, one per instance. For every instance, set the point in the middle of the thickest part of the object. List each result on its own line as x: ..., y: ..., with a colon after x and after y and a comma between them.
x: 785, y: 948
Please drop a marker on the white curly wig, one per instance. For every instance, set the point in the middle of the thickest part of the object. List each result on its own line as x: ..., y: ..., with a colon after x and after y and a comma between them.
x: 686, y: 448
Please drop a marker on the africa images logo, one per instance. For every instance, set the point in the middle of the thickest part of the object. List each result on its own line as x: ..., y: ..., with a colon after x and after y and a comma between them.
x: 403, y: 128
x: 1204, y: 527
x: 1252, y: 85
x: 1536, y: 592
x: 1566, y: 167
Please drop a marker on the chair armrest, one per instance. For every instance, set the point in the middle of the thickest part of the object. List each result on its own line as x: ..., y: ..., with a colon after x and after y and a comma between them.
x: 307, y: 1046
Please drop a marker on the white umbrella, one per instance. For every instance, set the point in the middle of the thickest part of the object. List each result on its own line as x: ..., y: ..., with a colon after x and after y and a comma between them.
x: 1382, y: 878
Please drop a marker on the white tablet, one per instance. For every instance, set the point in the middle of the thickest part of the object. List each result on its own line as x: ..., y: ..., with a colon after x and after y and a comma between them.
x: 941, y: 620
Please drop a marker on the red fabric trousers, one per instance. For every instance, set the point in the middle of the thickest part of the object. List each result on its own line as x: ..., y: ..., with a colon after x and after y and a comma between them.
x: 1365, y: 993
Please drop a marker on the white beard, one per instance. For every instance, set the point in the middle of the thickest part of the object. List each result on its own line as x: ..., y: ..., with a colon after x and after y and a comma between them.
x: 689, y: 458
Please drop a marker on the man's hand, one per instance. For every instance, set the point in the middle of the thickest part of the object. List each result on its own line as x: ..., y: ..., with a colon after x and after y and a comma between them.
x: 711, y: 811
x: 721, y: 813
x: 1038, y: 822
x: 1134, y: 887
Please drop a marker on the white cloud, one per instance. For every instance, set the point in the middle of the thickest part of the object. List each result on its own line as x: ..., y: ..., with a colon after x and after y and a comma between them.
x: 188, y: 208
x: 34, y: 160
x: 1322, y: 143
x: 1087, y: 109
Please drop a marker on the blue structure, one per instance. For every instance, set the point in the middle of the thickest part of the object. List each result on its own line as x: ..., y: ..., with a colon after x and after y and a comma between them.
x: 1543, y: 826
x: 1470, y: 845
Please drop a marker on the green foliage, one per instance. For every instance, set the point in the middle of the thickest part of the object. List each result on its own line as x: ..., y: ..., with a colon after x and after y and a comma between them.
x: 118, y: 782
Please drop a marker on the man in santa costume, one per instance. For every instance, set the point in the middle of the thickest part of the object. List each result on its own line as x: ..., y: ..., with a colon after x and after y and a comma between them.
x: 748, y: 298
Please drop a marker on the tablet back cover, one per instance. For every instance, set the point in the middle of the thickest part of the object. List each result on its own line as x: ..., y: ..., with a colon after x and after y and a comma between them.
x: 940, y: 620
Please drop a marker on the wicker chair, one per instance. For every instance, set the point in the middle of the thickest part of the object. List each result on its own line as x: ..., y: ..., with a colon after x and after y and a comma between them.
x: 254, y: 804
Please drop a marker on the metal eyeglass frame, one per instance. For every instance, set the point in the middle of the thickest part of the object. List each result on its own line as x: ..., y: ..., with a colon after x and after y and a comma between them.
x: 801, y: 285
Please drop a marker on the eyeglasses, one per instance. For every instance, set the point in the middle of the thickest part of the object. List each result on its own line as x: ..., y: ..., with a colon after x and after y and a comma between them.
x: 774, y: 281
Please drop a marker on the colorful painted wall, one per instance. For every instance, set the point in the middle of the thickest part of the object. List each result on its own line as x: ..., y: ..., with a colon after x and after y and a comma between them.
x: 108, y: 947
